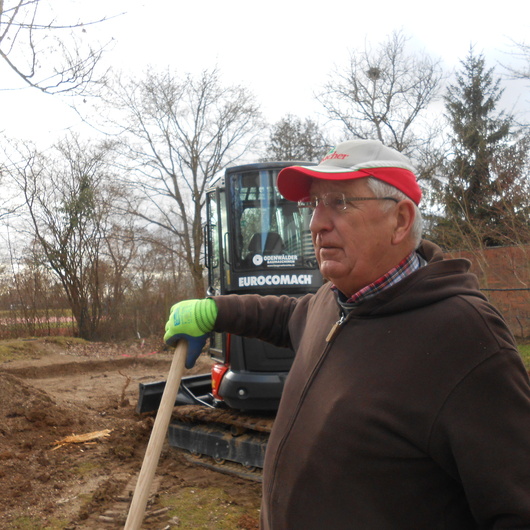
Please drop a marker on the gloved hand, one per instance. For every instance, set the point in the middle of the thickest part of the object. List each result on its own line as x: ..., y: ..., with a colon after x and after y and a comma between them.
x: 191, y: 320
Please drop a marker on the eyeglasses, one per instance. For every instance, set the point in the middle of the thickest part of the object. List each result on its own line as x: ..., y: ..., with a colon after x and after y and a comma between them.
x: 337, y: 201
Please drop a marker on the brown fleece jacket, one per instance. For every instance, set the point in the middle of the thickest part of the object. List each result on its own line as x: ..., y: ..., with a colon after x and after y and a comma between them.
x: 415, y: 415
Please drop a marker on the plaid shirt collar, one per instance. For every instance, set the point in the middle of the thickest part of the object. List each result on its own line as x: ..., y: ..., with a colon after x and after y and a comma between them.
x: 406, y: 267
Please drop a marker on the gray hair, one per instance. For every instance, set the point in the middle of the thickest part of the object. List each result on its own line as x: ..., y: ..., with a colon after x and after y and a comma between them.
x: 382, y: 189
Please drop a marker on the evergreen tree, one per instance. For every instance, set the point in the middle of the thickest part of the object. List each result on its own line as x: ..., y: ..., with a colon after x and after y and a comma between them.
x: 486, y: 192
x: 292, y: 139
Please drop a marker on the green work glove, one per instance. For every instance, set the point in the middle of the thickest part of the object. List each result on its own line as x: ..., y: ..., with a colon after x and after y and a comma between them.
x: 191, y: 320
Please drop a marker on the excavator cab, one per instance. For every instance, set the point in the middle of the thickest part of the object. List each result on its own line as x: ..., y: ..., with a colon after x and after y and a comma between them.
x: 256, y: 242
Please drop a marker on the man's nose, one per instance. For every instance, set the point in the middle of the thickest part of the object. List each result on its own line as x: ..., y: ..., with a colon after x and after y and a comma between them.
x: 322, y: 219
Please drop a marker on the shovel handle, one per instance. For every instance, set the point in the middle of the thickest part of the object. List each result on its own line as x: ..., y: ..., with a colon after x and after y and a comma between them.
x: 156, y: 440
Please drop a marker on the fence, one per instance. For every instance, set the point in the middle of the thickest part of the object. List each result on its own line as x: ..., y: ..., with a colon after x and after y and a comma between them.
x: 14, y: 325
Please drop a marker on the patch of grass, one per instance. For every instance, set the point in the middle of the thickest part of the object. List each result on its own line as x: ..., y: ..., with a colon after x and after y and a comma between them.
x: 524, y: 350
x: 30, y: 523
x: 86, y: 469
x: 61, y: 340
x: 18, y: 349
x: 55, y: 524
x: 207, y: 509
x: 24, y: 523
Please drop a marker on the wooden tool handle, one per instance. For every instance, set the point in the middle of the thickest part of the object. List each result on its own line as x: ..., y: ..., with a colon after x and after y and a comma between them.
x: 156, y: 440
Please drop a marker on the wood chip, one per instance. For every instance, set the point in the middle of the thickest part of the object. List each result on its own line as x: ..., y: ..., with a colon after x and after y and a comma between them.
x: 82, y: 438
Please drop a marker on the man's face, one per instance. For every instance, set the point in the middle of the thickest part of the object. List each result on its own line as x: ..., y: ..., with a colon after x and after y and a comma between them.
x: 353, y: 247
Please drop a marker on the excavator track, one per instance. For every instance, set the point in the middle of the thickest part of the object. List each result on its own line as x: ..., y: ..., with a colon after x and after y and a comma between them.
x: 259, y: 422
x: 229, y: 468
x: 225, y: 440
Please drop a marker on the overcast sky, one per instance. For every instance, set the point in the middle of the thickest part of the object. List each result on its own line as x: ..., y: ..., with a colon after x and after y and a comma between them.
x: 284, y: 51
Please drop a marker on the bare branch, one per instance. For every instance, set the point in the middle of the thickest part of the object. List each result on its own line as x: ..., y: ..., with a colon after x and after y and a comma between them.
x: 48, y: 55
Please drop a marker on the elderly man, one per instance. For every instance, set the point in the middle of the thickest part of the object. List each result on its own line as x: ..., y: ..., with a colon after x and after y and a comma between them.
x: 407, y: 406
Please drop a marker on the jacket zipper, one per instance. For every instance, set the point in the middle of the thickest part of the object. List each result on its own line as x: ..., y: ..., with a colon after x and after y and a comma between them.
x: 335, y: 328
x: 331, y: 335
x: 294, y: 415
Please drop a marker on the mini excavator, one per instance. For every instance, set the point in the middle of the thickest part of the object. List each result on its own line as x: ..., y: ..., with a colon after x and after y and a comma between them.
x: 255, y: 242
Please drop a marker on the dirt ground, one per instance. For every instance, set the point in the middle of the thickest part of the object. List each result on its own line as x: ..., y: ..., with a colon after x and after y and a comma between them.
x: 78, y: 389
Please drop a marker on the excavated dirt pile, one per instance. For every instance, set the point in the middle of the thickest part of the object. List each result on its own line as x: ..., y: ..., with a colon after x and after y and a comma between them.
x: 72, y: 444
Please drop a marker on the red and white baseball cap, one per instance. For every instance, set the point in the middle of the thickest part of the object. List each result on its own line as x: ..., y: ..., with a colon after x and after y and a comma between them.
x: 352, y: 160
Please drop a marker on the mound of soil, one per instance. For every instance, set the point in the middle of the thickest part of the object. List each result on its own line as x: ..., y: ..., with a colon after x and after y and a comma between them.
x: 93, y: 389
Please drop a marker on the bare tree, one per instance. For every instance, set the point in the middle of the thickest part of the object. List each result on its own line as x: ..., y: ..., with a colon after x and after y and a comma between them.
x: 157, y: 277
x: 48, y: 54
x: 68, y: 215
x: 32, y: 297
x: 523, y: 70
x: 177, y: 134
x: 383, y: 93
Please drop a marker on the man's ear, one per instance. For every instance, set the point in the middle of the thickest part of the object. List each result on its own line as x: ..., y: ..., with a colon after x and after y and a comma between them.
x: 404, y: 219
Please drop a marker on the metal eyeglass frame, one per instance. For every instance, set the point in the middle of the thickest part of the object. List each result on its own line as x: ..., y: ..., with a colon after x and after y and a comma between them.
x: 337, y: 201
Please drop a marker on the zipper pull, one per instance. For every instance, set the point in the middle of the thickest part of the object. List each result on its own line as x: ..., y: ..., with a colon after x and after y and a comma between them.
x: 335, y: 329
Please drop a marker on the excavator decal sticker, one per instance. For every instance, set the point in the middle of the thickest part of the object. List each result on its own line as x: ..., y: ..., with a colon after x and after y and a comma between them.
x: 280, y: 261
x: 275, y: 279
x: 275, y: 261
